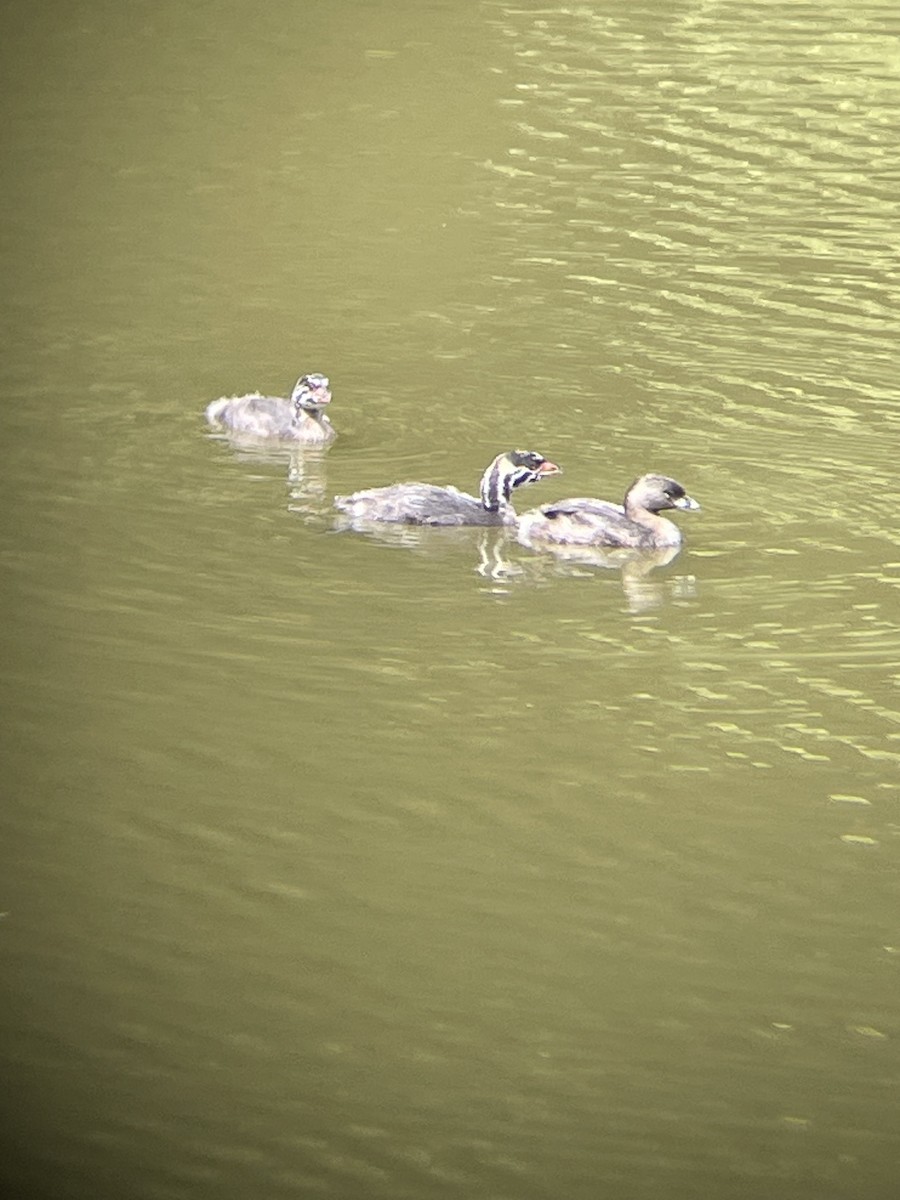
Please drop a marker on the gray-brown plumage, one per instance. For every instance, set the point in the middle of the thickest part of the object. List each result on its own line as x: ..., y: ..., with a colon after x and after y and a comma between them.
x: 299, y: 419
x: 637, y: 524
x: 428, y: 504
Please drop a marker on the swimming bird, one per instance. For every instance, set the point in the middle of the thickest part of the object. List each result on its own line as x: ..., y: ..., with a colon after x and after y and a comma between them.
x: 299, y: 419
x: 584, y: 521
x: 428, y: 504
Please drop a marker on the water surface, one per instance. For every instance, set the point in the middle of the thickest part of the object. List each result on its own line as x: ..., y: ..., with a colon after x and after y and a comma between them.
x: 420, y: 865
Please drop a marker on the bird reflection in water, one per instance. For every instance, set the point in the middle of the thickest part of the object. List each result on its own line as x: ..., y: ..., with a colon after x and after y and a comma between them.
x: 501, y: 562
x: 307, y: 481
x: 304, y: 467
x: 643, y: 589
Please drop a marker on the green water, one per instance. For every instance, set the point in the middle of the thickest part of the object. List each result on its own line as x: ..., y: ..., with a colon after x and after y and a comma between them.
x: 422, y: 865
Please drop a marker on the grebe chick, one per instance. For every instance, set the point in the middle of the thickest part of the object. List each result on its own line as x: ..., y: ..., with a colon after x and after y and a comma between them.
x: 300, y: 419
x: 636, y: 524
x: 427, y: 504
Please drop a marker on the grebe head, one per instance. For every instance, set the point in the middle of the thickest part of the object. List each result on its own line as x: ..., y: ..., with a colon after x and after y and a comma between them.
x: 311, y: 393
x: 510, y: 470
x: 656, y: 493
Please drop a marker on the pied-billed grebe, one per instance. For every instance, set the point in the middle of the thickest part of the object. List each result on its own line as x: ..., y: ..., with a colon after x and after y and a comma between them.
x: 587, y: 522
x: 427, y: 504
x: 300, y: 419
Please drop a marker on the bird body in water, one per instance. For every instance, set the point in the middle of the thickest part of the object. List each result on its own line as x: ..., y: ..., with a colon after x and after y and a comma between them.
x: 300, y: 419
x: 636, y: 524
x: 428, y: 504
